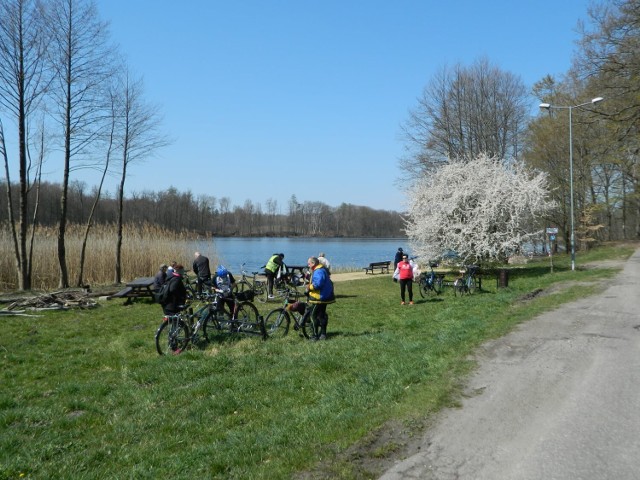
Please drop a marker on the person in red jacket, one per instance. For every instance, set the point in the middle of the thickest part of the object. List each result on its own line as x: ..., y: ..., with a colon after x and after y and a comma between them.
x: 405, y: 277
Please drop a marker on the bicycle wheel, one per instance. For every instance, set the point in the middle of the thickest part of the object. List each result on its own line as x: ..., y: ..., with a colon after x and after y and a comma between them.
x: 459, y: 287
x: 437, y: 285
x: 247, y: 319
x: 172, y: 336
x: 424, y: 289
x: 241, y: 286
x: 217, y: 321
x: 309, y: 326
x: 259, y: 287
x: 262, y: 295
x: 277, y: 323
x: 472, y: 285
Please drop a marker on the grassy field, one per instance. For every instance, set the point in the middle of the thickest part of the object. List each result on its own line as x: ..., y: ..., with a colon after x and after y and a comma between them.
x: 84, y: 394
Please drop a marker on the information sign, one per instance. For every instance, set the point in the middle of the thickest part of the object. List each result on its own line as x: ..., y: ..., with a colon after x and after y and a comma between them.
x: 552, y: 230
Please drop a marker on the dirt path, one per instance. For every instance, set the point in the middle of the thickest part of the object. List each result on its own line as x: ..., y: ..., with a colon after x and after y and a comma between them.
x: 343, y: 277
x: 555, y: 399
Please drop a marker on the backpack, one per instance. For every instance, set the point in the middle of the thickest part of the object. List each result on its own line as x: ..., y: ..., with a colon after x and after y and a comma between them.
x: 161, y: 295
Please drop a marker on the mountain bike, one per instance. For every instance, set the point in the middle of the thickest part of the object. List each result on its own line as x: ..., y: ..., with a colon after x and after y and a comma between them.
x: 278, y: 321
x: 244, y: 315
x: 467, y: 283
x: 430, y: 283
x: 177, y: 331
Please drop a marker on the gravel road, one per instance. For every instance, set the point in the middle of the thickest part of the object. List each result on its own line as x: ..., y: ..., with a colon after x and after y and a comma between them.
x: 558, y: 398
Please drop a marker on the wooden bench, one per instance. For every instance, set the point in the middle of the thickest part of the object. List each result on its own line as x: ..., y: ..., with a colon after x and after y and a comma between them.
x: 373, y: 266
x: 138, y: 288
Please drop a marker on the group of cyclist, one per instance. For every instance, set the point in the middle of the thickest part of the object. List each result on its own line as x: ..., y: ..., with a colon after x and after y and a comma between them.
x: 319, y: 286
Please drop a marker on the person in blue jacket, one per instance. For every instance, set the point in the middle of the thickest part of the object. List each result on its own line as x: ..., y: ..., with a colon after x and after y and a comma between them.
x: 320, y: 289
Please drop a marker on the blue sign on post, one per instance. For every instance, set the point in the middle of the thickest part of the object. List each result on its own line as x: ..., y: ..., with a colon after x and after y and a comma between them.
x: 552, y: 237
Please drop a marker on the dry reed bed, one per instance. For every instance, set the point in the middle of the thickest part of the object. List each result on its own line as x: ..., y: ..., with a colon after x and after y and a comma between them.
x: 144, y: 248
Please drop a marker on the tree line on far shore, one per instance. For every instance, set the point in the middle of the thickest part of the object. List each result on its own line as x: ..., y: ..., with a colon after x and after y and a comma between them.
x: 210, y: 216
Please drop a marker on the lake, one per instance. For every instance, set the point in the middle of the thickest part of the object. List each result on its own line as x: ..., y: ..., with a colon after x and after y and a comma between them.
x: 343, y: 253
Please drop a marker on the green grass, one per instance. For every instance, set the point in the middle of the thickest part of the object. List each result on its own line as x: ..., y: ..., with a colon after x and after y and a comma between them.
x: 85, y: 395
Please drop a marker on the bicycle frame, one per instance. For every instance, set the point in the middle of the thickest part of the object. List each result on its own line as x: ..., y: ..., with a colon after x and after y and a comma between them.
x: 278, y: 320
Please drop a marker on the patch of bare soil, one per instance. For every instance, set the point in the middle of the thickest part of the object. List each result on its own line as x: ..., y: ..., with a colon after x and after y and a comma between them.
x: 375, y: 453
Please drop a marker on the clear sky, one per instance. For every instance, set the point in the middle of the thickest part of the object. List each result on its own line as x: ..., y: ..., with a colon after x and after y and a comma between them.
x: 270, y: 98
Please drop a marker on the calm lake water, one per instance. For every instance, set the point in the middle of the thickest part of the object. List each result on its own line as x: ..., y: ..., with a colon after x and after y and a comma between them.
x: 352, y: 253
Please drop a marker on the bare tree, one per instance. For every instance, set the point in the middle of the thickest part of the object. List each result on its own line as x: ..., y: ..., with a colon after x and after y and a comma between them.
x: 82, y: 61
x: 110, y: 138
x: 464, y: 112
x: 23, y: 82
x: 140, y: 137
x: 610, y: 60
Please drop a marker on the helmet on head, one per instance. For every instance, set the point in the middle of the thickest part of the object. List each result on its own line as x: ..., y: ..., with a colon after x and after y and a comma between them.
x: 222, y: 271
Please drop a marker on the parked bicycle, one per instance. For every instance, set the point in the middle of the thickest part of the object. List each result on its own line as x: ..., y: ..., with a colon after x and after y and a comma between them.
x: 430, y: 283
x: 177, y: 331
x: 244, y: 315
x: 278, y: 321
x: 249, y: 282
x: 468, y: 282
x: 286, y: 285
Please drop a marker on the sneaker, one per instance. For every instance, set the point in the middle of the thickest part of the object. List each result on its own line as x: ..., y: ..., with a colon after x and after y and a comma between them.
x: 322, y: 337
x: 271, y: 297
x: 411, y: 302
x: 402, y: 303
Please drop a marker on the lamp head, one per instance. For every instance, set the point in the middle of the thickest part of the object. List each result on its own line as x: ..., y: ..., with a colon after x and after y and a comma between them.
x: 546, y: 106
x: 597, y: 99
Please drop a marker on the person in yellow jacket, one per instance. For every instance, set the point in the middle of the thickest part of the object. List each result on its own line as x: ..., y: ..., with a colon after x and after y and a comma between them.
x: 320, y: 289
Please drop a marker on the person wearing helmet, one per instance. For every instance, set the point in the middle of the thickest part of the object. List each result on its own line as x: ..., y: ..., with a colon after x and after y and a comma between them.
x: 224, y: 281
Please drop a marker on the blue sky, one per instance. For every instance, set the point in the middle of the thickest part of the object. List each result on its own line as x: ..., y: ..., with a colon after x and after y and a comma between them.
x: 266, y: 99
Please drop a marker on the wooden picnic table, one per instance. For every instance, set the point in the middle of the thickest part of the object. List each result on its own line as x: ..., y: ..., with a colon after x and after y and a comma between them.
x: 137, y: 288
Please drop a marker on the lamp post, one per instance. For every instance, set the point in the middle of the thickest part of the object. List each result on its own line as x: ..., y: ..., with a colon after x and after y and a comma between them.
x: 548, y: 106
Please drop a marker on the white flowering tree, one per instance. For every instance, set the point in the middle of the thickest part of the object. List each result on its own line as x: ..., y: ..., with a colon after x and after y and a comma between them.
x: 482, y: 209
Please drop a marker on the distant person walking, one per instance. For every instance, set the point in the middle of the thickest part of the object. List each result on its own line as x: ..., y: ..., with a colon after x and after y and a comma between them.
x: 398, y: 258
x: 404, y: 271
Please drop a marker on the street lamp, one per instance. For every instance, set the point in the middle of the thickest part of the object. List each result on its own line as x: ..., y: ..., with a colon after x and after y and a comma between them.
x: 548, y: 106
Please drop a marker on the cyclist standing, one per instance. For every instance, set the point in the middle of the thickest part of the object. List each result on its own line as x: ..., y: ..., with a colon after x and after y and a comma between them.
x: 176, y: 292
x: 320, y: 290
x: 271, y: 271
x: 202, y: 270
x: 405, y: 277
x: 225, y: 281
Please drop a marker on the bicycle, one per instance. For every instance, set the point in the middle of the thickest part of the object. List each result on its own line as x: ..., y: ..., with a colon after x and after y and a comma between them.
x: 430, y: 283
x: 278, y: 321
x: 178, y: 330
x: 250, y: 283
x: 467, y: 283
x: 244, y: 315
x: 284, y: 286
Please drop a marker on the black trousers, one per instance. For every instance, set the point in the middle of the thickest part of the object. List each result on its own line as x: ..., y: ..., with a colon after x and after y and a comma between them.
x: 271, y: 276
x: 408, y: 285
x: 320, y: 317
